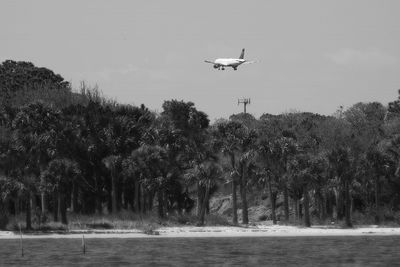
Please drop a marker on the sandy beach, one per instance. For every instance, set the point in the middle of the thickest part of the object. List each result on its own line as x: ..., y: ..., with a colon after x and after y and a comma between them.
x: 214, y: 231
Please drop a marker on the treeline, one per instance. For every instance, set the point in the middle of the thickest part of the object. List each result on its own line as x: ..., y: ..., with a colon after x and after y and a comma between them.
x: 61, y: 150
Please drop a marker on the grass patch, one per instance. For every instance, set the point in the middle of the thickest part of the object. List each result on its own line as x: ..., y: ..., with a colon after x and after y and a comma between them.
x: 182, y: 219
x: 263, y: 218
x: 124, y: 220
x: 120, y: 220
x: 217, y: 220
x: 19, y: 221
x: 52, y: 226
x: 100, y: 225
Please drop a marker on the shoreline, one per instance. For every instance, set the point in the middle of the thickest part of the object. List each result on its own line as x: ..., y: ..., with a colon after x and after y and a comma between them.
x: 213, y: 231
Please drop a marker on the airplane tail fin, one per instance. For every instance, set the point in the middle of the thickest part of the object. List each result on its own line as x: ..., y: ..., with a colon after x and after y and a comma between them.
x: 242, y: 54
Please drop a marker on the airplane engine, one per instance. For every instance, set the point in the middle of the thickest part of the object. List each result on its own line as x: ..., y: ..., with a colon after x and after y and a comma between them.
x: 216, y: 66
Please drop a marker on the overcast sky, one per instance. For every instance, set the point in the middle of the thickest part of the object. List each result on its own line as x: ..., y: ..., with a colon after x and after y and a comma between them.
x: 311, y: 55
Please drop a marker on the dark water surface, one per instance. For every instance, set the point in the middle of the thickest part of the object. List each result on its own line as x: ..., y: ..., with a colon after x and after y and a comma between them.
x: 242, y: 251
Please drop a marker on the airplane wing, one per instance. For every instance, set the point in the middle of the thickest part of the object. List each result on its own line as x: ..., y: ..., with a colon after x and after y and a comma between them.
x: 208, y: 61
x: 249, y: 62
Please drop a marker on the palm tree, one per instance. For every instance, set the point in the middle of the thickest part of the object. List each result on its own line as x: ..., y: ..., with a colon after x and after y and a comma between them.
x: 35, y: 140
x: 125, y: 130
x: 381, y: 166
x: 275, y: 155
x: 205, y: 175
x: 149, y: 166
x: 341, y: 164
x: 112, y: 163
x: 57, y: 178
x: 37, y: 127
x: 19, y: 178
x: 267, y: 180
x: 227, y: 140
x: 246, y: 161
x: 286, y: 149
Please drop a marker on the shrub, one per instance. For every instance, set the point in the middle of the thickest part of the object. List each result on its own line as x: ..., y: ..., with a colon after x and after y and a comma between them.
x: 53, y: 226
x: 3, y: 220
x: 183, y: 219
x: 216, y: 219
x: 100, y: 225
x: 263, y: 217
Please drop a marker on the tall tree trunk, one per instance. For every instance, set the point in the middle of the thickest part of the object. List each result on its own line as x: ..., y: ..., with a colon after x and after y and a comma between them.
x: 243, y: 193
x: 124, y: 202
x: 272, y: 202
x: 347, y: 203
x: 160, y: 198
x: 339, y: 204
x: 296, y: 208
x: 28, y: 218
x: 43, y: 202
x: 150, y: 200
x: 16, y: 206
x: 378, y: 210
x: 307, y: 221
x: 99, y: 207
x: 167, y: 204
x: 120, y: 194
x: 127, y: 199
x: 323, y: 205
x: 33, y: 202
x: 234, y: 204
x: 234, y: 200
x: 98, y: 201
x: 59, y: 204
x: 329, y: 208
x: 55, y: 206
x: 208, y: 206
x: 317, y: 203
x: 113, y: 191
x: 199, y: 199
x: 142, y: 199
x: 136, y: 203
x: 203, y: 205
x: 63, y: 207
x: 74, y: 198
x: 300, y: 210
x: 4, y: 213
x: 286, y: 201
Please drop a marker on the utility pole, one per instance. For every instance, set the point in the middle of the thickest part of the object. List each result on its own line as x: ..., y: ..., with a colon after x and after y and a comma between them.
x: 245, y: 102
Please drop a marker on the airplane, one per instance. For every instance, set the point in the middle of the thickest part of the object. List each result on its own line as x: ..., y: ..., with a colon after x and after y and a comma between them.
x: 222, y: 63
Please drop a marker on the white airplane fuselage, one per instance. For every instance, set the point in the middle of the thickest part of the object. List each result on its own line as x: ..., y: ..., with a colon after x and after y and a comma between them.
x: 229, y: 62
x: 221, y: 63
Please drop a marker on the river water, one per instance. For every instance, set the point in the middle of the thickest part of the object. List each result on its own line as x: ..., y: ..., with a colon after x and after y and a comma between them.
x: 228, y: 251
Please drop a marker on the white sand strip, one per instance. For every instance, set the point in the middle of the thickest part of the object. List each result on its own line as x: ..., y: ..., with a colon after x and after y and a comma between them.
x: 217, y: 231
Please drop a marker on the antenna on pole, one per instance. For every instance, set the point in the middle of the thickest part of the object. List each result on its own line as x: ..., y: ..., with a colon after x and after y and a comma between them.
x: 245, y: 102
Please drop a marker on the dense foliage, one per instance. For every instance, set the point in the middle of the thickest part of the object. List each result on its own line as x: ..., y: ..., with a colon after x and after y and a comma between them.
x: 62, y: 151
